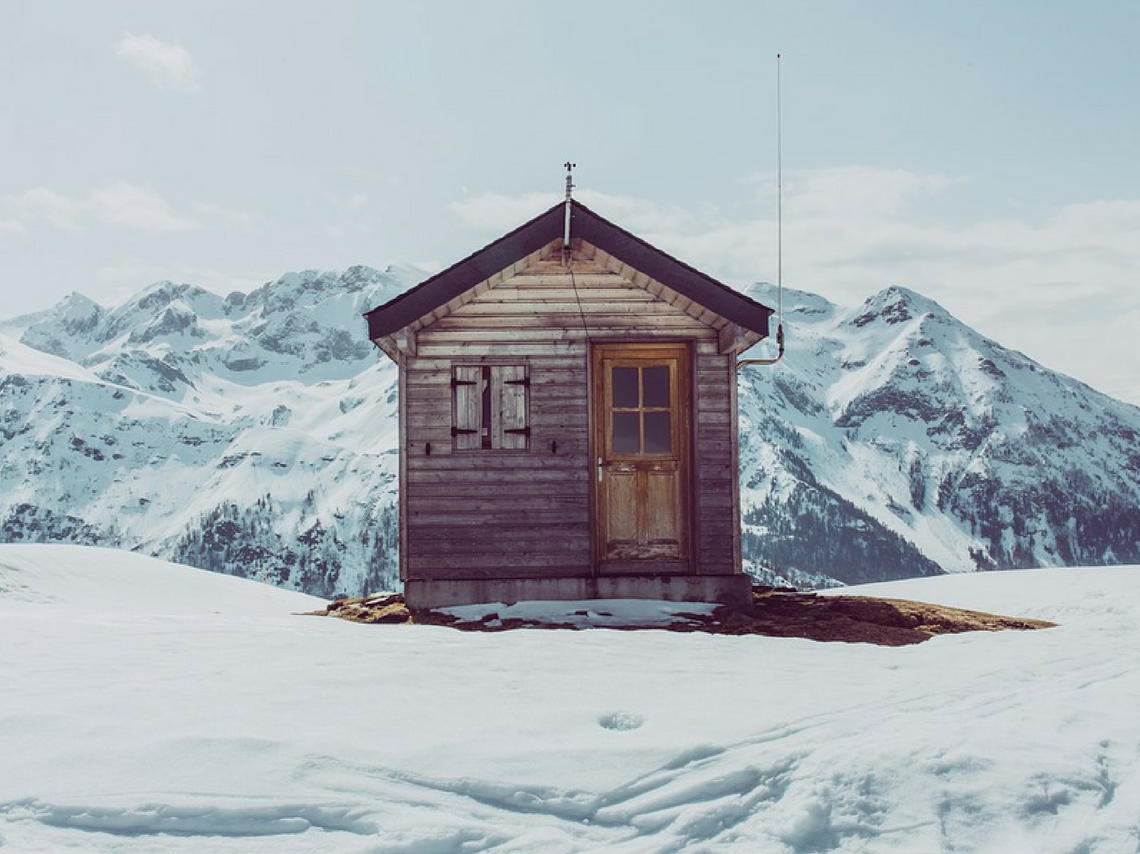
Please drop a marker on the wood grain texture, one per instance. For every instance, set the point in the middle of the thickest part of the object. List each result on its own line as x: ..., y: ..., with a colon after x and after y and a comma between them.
x: 526, y: 507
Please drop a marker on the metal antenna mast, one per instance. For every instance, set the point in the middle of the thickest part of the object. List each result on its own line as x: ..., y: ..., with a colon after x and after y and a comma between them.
x: 779, y: 199
x: 566, y: 249
x: 566, y: 227
x: 779, y: 234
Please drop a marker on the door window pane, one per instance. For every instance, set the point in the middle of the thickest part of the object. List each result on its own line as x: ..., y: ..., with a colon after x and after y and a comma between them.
x: 655, y: 386
x: 625, y: 387
x: 657, y: 433
x: 626, y: 432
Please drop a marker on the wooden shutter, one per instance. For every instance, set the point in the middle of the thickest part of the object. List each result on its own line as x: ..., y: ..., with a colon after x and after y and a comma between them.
x: 467, y: 410
x: 509, y: 387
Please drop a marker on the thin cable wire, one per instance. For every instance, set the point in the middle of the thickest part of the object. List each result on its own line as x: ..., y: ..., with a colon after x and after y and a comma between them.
x: 578, y: 299
x: 566, y: 252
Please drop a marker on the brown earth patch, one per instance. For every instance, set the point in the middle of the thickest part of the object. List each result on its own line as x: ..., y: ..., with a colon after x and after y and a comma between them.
x: 775, y: 612
x: 860, y: 619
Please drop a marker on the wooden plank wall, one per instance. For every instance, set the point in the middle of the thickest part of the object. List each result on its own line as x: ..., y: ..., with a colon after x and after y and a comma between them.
x: 715, y: 460
x: 525, y: 513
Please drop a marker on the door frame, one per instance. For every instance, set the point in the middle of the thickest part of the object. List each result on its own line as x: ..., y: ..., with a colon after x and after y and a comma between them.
x: 683, y: 350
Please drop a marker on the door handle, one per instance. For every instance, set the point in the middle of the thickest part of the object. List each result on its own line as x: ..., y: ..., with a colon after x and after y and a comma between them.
x: 599, y: 469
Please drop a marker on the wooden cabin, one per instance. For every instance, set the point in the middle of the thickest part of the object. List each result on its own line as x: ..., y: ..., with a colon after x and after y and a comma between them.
x: 568, y: 421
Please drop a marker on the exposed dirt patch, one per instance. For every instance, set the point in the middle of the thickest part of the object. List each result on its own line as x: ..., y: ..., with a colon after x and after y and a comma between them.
x: 859, y: 619
x: 382, y: 608
x: 775, y: 612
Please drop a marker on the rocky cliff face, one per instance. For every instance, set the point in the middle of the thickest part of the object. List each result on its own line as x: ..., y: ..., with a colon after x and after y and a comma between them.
x: 256, y: 435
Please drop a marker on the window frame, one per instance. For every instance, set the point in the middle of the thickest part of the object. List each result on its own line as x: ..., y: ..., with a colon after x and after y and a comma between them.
x: 490, y: 406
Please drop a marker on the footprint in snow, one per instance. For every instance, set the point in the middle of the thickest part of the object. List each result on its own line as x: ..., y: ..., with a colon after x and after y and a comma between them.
x: 620, y: 721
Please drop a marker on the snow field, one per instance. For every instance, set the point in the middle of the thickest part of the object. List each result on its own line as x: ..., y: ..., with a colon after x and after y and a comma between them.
x: 146, y: 707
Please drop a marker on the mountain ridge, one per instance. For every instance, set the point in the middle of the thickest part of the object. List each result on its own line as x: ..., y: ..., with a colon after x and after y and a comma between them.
x: 927, y: 413
x: 891, y: 441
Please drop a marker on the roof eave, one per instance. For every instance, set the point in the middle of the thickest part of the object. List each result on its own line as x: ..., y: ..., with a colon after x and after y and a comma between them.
x: 446, y: 285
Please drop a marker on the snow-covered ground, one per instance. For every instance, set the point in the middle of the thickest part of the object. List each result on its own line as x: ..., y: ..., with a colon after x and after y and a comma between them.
x: 146, y: 707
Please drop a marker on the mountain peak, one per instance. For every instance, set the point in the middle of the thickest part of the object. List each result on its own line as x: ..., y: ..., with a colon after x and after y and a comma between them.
x: 794, y: 301
x: 77, y: 312
x: 165, y: 287
x: 79, y: 302
x: 895, y: 304
x: 157, y: 296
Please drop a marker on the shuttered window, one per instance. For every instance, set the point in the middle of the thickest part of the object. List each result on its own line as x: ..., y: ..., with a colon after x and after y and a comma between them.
x: 467, y: 409
x: 489, y: 407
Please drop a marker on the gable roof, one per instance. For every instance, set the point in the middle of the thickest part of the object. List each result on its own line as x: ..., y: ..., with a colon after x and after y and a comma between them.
x: 445, y: 286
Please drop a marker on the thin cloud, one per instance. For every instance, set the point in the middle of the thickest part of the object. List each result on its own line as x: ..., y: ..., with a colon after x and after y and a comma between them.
x: 348, y: 215
x: 139, y: 208
x: 497, y: 212
x: 123, y: 279
x: 40, y: 204
x: 238, y: 220
x: 169, y: 66
x: 851, y: 231
x: 121, y: 205
x: 858, y: 191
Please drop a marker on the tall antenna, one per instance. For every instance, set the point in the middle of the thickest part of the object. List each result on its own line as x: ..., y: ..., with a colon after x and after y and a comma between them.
x: 779, y: 234
x: 566, y: 228
x: 779, y: 199
x: 566, y: 249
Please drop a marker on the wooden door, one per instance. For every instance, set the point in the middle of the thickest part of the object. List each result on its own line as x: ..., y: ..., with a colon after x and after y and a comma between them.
x: 641, y: 434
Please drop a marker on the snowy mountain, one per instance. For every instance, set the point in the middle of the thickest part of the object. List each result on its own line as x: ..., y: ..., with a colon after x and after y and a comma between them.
x: 255, y: 434
x: 894, y: 440
x: 252, y: 434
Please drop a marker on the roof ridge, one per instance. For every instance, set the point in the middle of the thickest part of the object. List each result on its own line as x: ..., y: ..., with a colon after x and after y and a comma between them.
x: 463, y: 260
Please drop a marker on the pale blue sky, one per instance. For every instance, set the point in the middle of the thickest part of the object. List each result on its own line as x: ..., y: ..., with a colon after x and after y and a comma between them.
x: 986, y: 154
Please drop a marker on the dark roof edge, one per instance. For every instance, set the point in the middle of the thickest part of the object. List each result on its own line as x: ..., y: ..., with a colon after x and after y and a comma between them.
x: 447, y: 284
x: 684, y: 279
x: 532, y: 236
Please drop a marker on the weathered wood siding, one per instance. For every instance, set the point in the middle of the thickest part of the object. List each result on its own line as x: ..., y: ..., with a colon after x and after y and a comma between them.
x: 525, y: 513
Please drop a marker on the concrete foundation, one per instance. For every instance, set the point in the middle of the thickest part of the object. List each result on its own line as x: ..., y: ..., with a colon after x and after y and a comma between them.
x: 732, y: 590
